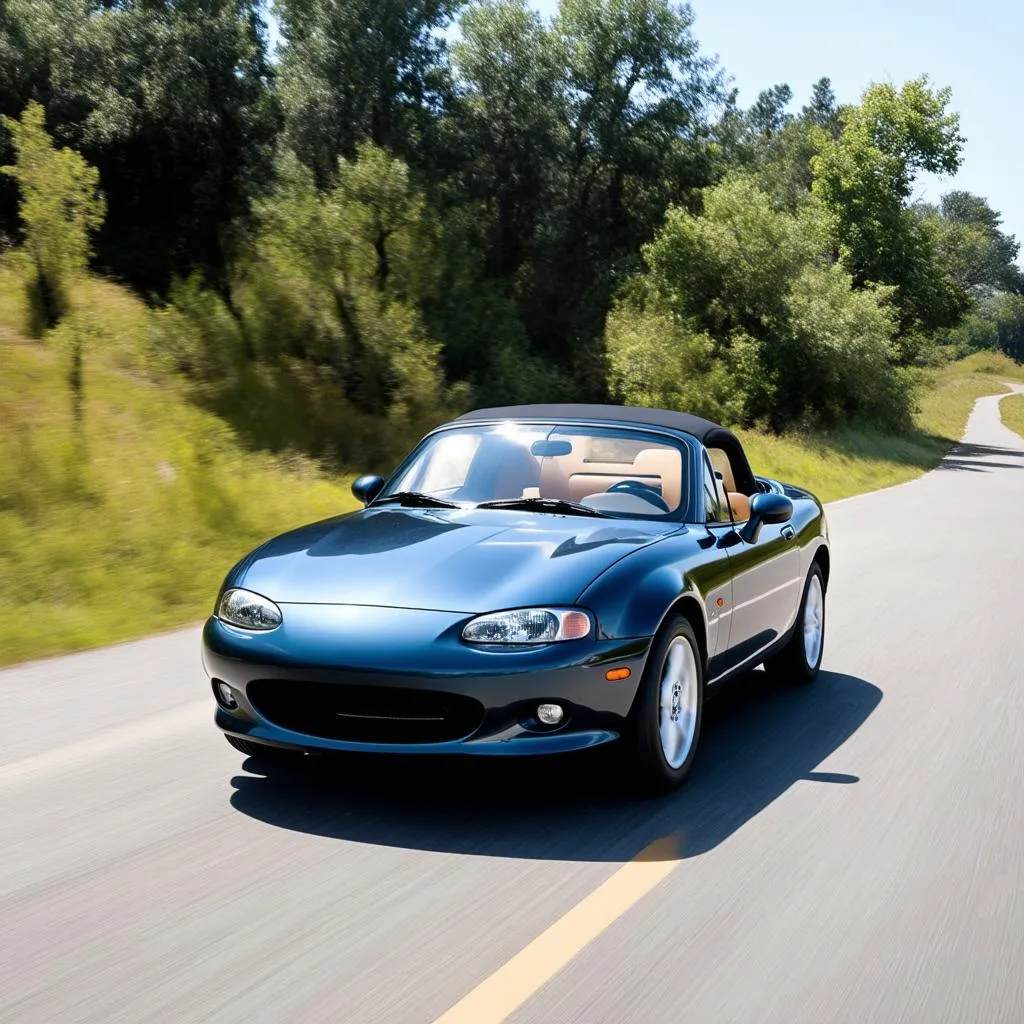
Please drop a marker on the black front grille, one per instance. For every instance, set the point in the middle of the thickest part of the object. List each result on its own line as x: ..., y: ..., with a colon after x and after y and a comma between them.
x: 365, y: 714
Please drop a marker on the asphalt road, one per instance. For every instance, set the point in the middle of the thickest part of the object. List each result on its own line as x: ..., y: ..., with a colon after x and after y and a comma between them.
x: 851, y: 852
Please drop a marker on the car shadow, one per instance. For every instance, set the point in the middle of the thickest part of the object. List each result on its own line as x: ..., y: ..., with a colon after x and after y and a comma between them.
x: 758, y: 740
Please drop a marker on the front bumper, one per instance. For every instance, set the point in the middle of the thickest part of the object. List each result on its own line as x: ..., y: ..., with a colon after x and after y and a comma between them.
x: 331, y: 678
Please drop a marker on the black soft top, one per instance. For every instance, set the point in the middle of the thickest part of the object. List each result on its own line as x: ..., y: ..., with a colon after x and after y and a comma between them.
x: 712, y: 435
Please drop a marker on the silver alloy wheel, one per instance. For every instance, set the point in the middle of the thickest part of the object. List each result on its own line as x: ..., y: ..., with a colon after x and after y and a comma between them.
x: 814, y: 621
x: 677, y: 704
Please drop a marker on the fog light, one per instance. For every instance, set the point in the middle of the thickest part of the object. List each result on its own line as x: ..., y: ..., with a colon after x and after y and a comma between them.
x: 549, y: 714
x: 225, y: 697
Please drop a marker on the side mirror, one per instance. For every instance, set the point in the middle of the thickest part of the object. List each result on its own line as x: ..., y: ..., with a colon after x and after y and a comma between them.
x: 366, y: 488
x: 766, y: 509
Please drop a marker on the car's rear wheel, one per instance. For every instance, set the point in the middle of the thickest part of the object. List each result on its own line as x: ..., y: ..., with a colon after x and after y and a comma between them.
x: 800, y: 660
x: 666, y: 718
x: 262, y: 751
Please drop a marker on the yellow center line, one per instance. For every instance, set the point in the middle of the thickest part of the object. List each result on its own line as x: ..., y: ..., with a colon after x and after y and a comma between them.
x: 498, y: 996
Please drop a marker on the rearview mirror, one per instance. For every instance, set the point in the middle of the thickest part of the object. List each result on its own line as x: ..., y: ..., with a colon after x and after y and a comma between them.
x: 366, y: 488
x: 550, y: 449
x: 766, y: 509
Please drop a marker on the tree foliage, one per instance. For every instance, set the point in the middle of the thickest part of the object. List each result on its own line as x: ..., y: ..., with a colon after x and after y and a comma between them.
x: 864, y: 178
x: 417, y: 204
x: 171, y: 101
x: 786, y: 325
x: 61, y: 205
x: 356, y: 71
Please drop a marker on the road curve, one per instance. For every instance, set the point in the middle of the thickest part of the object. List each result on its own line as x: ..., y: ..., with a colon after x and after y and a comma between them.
x: 853, y: 852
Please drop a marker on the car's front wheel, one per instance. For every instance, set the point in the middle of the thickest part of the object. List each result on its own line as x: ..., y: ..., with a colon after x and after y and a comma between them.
x: 800, y: 659
x: 666, y: 718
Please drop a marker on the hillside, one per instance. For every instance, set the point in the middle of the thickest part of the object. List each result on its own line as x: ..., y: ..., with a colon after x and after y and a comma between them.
x: 126, y: 525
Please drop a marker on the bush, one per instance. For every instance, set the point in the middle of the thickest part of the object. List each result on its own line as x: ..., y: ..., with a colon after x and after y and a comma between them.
x: 835, y: 359
x: 657, y: 361
x: 754, y: 322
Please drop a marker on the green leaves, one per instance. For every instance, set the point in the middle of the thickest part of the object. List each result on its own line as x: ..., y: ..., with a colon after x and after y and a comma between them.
x: 170, y: 101
x: 61, y: 205
x: 743, y: 306
x: 361, y: 70
x: 336, y: 278
x: 863, y: 178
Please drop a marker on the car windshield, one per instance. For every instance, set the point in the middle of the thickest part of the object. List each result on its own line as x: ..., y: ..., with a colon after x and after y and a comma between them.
x: 612, y: 471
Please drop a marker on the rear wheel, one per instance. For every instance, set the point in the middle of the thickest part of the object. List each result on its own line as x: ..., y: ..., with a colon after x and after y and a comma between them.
x: 665, y: 726
x: 800, y: 659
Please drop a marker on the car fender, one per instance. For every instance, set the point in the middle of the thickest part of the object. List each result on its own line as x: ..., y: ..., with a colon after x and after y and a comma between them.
x: 632, y: 598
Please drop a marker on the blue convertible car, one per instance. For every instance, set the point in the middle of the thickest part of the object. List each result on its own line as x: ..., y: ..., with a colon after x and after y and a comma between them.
x: 530, y: 580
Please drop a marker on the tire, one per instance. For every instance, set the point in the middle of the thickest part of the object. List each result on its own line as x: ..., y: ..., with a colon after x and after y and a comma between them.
x: 799, y: 661
x: 661, y: 754
x: 262, y: 751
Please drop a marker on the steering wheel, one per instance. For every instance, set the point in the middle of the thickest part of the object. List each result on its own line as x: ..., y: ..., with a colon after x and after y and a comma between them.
x: 640, y: 490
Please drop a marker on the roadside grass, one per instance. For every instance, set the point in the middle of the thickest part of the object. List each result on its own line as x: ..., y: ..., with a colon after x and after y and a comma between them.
x: 124, y: 524
x: 1012, y: 412
x: 851, y: 461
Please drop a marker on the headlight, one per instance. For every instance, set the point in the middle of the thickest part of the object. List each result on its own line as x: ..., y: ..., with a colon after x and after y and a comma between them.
x: 528, y: 626
x: 248, y: 610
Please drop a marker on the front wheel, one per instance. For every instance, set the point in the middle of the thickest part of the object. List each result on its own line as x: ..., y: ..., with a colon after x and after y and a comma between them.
x: 800, y: 659
x: 666, y: 720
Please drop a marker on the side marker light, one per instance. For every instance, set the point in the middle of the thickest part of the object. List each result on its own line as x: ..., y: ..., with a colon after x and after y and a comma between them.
x: 613, y: 675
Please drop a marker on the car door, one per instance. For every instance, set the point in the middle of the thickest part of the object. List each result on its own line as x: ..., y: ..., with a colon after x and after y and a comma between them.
x: 765, y: 585
x: 718, y: 594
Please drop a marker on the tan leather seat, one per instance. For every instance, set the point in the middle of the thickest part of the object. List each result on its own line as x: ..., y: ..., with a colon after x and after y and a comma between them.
x: 574, y: 476
x: 554, y: 480
x: 667, y: 465
x: 739, y: 505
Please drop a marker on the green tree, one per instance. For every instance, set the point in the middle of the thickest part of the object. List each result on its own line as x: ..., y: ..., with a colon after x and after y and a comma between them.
x: 757, y: 305
x: 982, y: 259
x: 361, y: 70
x: 171, y: 101
x: 61, y: 206
x: 638, y: 93
x: 336, y: 279
x: 658, y: 359
x: 768, y: 116
x: 730, y: 267
x: 774, y: 145
x: 508, y: 129
x: 822, y: 110
x: 864, y: 178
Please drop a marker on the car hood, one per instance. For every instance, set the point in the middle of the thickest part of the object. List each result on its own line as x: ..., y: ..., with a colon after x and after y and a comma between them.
x: 443, y: 560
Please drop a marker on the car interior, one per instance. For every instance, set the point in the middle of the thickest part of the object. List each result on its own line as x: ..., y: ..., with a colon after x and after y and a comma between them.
x: 737, y: 501
x: 624, y: 475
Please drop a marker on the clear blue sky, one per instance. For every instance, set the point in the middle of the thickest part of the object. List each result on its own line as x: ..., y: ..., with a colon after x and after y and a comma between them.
x: 976, y: 48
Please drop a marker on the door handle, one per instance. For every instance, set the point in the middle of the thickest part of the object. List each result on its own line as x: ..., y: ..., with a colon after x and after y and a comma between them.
x: 788, y: 532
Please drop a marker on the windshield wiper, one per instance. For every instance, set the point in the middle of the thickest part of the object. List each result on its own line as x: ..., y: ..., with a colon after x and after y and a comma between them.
x: 555, y: 505
x: 415, y: 499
